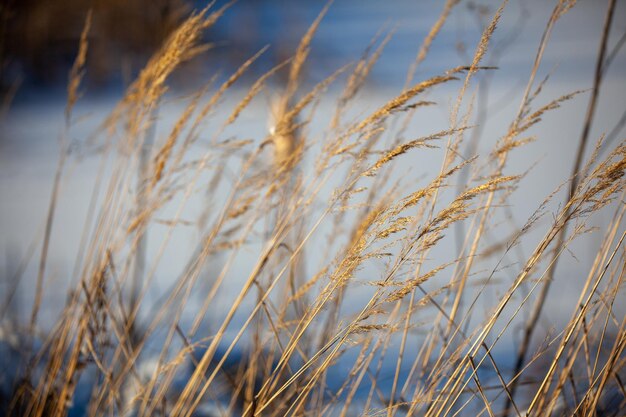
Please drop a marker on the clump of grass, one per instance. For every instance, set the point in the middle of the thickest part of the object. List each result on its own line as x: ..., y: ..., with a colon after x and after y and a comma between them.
x: 319, y: 315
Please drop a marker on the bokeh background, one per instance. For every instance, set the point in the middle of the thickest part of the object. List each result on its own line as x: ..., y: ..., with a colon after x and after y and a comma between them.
x: 39, y: 43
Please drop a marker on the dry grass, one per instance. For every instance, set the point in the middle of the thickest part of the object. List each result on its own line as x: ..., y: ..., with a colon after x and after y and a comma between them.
x: 340, y: 278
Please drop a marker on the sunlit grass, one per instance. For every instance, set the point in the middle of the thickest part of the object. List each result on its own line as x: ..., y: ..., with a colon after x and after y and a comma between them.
x: 338, y: 240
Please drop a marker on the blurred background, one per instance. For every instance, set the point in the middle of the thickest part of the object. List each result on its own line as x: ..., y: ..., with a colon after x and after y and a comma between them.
x: 39, y: 40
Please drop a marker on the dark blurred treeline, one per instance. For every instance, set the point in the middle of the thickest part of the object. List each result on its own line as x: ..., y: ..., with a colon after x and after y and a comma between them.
x: 39, y: 38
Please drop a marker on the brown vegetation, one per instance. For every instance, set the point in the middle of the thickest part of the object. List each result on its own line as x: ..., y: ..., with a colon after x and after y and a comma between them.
x: 300, y: 317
